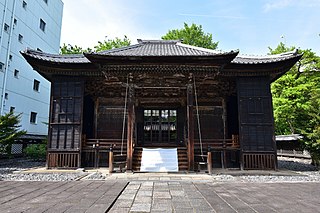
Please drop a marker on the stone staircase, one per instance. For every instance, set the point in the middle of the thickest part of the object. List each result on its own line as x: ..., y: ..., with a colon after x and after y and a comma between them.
x: 136, y: 158
x: 183, y: 158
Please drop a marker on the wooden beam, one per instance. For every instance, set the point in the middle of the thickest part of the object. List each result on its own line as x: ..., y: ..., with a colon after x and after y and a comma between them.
x: 224, y: 119
x: 111, y: 160
x: 190, y: 126
x: 209, y: 162
x: 130, y: 126
x: 96, y: 114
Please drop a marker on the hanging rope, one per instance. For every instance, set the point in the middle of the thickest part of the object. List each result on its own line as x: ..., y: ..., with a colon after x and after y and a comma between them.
x: 198, y: 117
x: 124, y: 114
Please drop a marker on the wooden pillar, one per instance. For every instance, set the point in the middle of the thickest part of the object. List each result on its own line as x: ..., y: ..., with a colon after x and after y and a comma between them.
x: 130, y: 125
x: 209, y: 161
x: 96, y: 114
x: 111, y: 160
x: 190, y: 118
x: 224, y: 119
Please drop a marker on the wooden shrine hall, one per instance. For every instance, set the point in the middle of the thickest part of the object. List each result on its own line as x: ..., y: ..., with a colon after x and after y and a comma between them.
x: 161, y: 94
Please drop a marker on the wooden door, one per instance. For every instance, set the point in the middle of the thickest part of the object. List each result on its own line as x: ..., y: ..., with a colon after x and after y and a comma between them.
x: 160, y: 126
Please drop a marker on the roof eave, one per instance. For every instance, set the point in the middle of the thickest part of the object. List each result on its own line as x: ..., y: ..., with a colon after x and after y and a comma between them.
x: 275, y: 69
x: 47, y: 69
x: 218, y: 59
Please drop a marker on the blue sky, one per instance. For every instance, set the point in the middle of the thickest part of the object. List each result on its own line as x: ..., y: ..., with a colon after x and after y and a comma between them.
x: 248, y: 25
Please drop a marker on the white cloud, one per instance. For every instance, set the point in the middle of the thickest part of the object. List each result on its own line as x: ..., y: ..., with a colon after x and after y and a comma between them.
x: 211, y: 16
x: 280, y: 4
x: 87, y: 22
x: 277, y: 4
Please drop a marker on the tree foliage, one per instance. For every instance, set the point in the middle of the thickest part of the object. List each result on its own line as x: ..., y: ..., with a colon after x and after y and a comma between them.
x: 70, y: 49
x: 192, y: 35
x: 9, y: 131
x: 296, y: 99
x: 105, y: 45
x: 36, y: 151
x: 112, y: 43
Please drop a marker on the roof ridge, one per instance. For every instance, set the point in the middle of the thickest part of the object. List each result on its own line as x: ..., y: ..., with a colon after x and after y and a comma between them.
x: 158, y: 41
x: 289, y: 53
x: 202, y: 49
x: 117, y: 49
x: 32, y: 51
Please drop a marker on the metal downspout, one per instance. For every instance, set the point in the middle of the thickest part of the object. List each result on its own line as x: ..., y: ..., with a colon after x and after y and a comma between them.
x: 7, y: 60
x: 3, y: 23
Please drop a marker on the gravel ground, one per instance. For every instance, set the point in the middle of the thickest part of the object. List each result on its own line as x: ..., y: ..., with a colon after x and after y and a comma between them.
x: 10, y: 170
x: 303, y: 168
x: 96, y: 176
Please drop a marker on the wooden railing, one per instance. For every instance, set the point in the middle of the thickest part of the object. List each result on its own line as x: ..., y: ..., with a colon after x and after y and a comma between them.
x: 106, y: 143
x: 232, y: 143
x: 63, y: 160
x: 259, y: 161
x: 96, y: 152
x: 214, y: 147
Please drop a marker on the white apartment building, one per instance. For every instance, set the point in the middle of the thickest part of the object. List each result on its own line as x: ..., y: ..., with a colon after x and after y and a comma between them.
x: 34, y: 24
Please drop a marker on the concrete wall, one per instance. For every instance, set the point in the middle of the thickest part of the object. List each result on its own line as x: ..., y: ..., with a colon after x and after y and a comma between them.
x: 25, y: 21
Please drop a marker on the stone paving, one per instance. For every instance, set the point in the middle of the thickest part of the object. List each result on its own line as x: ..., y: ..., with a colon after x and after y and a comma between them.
x: 186, y: 196
x: 56, y: 197
x: 158, y: 193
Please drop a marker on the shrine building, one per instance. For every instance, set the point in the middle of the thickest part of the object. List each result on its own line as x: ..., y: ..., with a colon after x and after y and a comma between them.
x: 161, y: 94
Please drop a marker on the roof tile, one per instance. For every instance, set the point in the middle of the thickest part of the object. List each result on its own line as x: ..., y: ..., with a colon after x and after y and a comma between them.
x: 68, y: 58
x: 160, y: 48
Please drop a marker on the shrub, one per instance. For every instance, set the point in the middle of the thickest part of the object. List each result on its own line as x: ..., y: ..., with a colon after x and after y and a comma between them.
x: 9, y: 131
x: 36, y: 151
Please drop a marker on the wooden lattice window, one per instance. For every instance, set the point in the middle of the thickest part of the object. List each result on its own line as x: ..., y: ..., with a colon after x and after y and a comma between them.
x: 66, y: 114
x: 160, y: 125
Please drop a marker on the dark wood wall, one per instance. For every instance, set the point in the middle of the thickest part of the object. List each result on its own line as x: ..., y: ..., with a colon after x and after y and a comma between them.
x: 232, y: 116
x: 211, y: 122
x: 66, y: 115
x: 255, y: 114
x: 88, y: 117
x: 109, y: 117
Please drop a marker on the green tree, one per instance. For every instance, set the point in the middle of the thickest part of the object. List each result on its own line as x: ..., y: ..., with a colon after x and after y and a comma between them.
x: 192, y: 35
x: 9, y: 131
x: 296, y: 98
x: 112, y: 43
x: 105, y: 45
x: 70, y: 49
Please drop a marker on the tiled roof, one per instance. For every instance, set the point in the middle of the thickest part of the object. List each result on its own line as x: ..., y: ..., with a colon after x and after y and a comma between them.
x: 57, y: 58
x: 161, y: 48
x: 244, y: 59
x: 293, y: 137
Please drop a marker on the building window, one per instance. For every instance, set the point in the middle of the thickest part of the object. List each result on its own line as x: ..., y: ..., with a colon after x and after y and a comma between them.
x: 16, y: 73
x: 20, y: 38
x: 15, y: 21
x: 1, y: 66
x: 42, y: 25
x: 6, y: 27
x: 46, y: 1
x: 36, y: 85
x: 10, y: 57
x: 6, y: 96
x: 24, y: 5
x: 39, y: 49
x: 33, y: 117
x: 12, y: 109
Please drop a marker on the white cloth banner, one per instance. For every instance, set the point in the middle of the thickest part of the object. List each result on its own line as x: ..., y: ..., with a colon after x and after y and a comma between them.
x: 159, y: 160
